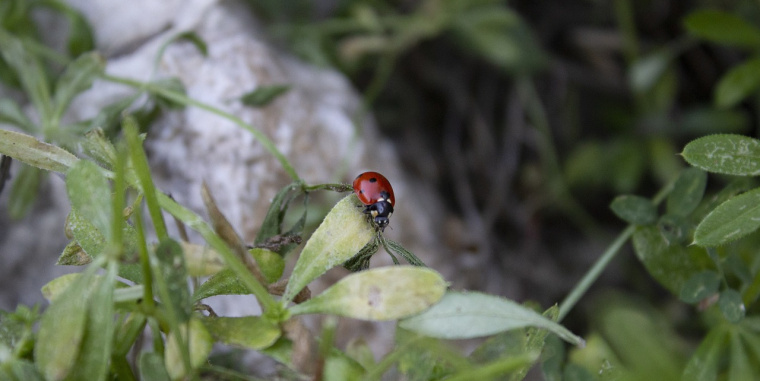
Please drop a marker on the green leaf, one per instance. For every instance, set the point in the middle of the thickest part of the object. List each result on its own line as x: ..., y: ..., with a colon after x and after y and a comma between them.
x: 24, y: 191
x: 687, y: 192
x: 738, y: 83
x: 271, y: 264
x: 700, y: 286
x: 172, y: 271
x: 669, y: 264
x: 31, y: 151
x: 739, y: 366
x: 271, y: 226
x: 152, y: 367
x: 90, y: 195
x: 723, y: 28
x: 730, y: 221
x: 10, y: 113
x: 201, y: 260
x: 63, y: 326
x: 728, y: 154
x: 634, y: 209
x: 76, y: 78
x: 53, y: 289
x: 465, y: 315
x: 342, y: 233
x: 731, y: 305
x: 703, y: 365
x: 252, y: 332
x: 224, y: 282
x: 73, y: 255
x: 95, y: 352
x: 674, y: 229
x: 80, y: 37
x: 386, y: 293
x: 199, y: 343
x: 264, y: 95
x: 30, y: 71
x: 98, y: 147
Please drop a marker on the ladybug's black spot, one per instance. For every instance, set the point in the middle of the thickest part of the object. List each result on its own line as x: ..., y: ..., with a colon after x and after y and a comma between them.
x: 361, y: 191
x: 373, y: 180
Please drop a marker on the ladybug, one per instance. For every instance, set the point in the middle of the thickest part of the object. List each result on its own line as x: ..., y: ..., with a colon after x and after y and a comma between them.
x: 376, y: 193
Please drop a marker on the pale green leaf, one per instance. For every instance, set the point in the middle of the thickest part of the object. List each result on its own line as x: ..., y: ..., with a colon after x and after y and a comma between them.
x: 201, y: 260
x: 252, y: 332
x: 90, y: 195
x: 670, y: 264
x: 11, y: 113
x: 464, y: 315
x: 343, y: 232
x: 385, y: 293
x: 27, y: 149
x: 76, y: 78
x: 730, y: 221
x: 98, y: 147
x: 199, y: 343
x: 224, y: 282
x: 727, y: 154
x: 152, y: 367
x: 731, y: 305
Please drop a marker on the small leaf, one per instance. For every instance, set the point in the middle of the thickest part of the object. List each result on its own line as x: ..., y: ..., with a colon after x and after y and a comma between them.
x: 171, y: 265
x: 271, y: 264
x: 738, y: 83
x: 343, y: 232
x: 95, y: 353
x: 98, y: 147
x: 263, y: 95
x: 730, y: 221
x: 727, y: 154
x: 76, y: 78
x: 700, y: 286
x: 57, y: 286
x: 669, y: 264
x: 271, y: 226
x: 385, y: 293
x: 199, y: 343
x: 16, y: 369
x: 723, y: 28
x: 634, y: 209
x: 464, y: 315
x: 224, y: 282
x: 687, y: 192
x: 201, y: 260
x: 30, y: 72
x: 90, y: 195
x: 31, y: 151
x: 703, y: 365
x: 73, y: 255
x: 63, y: 326
x: 731, y: 305
x: 252, y: 332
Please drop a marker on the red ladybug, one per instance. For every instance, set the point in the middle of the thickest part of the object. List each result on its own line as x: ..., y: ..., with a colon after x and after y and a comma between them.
x: 375, y: 191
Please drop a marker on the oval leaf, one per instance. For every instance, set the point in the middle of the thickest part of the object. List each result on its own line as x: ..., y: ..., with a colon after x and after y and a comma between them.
x: 687, y: 192
x: 727, y: 154
x: 386, y: 293
x: 199, y: 343
x: 634, y: 209
x: 700, y: 286
x: 738, y: 83
x: 471, y: 314
x: 224, y: 282
x: 730, y: 221
x: 342, y: 234
x: 723, y: 28
x: 671, y: 265
x: 731, y: 305
x: 90, y: 195
x: 253, y: 332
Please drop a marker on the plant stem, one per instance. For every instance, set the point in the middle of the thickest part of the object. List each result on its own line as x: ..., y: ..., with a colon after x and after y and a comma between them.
x: 184, y: 99
x: 596, y: 270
